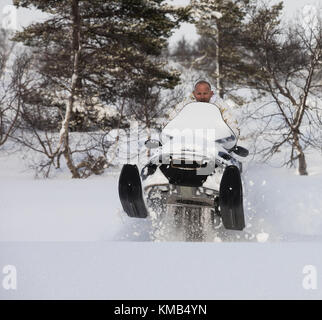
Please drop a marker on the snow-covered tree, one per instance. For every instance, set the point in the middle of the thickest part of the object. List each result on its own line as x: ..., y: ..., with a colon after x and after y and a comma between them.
x: 288, y: 60
x: 91, y: 53
x: 117, y: 38
x: 220, y: 24
x: 9, y: 86
x: 182, y: 51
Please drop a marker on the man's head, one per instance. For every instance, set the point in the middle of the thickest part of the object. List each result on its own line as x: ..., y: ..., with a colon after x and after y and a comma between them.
x: 202, y: 91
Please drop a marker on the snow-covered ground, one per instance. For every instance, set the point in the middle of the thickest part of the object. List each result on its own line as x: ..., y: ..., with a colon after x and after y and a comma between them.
x: 279, y: 206
x: 70, y: 239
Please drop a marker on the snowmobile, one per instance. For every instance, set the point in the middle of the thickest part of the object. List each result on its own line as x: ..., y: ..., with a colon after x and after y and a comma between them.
x: 193, y: 167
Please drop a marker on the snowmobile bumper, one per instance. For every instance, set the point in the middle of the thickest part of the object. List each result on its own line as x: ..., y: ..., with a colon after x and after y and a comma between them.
x: 192, y: 197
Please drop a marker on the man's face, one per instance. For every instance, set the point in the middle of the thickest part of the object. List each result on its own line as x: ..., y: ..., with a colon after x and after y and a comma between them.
x: 203, y: 93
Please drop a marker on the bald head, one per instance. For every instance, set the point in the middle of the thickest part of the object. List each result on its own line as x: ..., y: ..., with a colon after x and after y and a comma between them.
x: 202, y: 91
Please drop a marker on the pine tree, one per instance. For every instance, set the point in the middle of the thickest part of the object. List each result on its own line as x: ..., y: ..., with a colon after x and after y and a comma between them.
x: 119, y: 40
x: 91, y: 53
x: 220, y: 23
x: 182, y: 51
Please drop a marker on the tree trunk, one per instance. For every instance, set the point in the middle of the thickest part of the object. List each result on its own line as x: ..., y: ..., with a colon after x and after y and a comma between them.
x: 301, y: 157
x: 64, y: 133
x: 147, y: 122
x: 219, y: 82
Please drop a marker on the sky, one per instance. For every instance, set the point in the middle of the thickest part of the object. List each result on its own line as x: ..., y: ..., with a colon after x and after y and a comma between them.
x: 24, y: 17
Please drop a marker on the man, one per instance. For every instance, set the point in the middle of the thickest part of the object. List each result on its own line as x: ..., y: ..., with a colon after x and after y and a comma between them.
x: 203, y: 93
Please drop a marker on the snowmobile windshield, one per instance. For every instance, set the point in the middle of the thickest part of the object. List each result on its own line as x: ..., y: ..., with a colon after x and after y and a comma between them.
x: 201, y: 123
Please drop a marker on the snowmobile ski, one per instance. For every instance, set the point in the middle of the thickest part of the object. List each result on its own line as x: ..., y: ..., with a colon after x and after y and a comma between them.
x: 231, y: 199
x: 130, y: 192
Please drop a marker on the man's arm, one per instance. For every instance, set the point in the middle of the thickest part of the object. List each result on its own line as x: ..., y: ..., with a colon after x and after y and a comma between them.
x: 226, y: 114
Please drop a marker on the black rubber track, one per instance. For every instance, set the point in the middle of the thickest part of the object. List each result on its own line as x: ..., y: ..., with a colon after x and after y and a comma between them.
x: 130, y: 192
x: 231, y: 199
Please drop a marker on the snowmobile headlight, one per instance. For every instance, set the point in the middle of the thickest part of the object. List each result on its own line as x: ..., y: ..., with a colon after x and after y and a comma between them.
x: 200, y: 190
x: 164, y: 188
x: 209, y: 192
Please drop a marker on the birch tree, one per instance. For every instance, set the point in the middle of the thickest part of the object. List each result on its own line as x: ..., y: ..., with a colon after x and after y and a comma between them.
x: 289, y: 64
x: 10, y: 85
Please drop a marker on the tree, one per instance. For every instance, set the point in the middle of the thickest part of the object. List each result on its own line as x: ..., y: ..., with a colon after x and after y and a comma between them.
x: 288, y: 61
x: 10, y: 85
x: 182, y: 51
x: 220, y: 24
x: 118, y: 39
x: 92, y: 53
